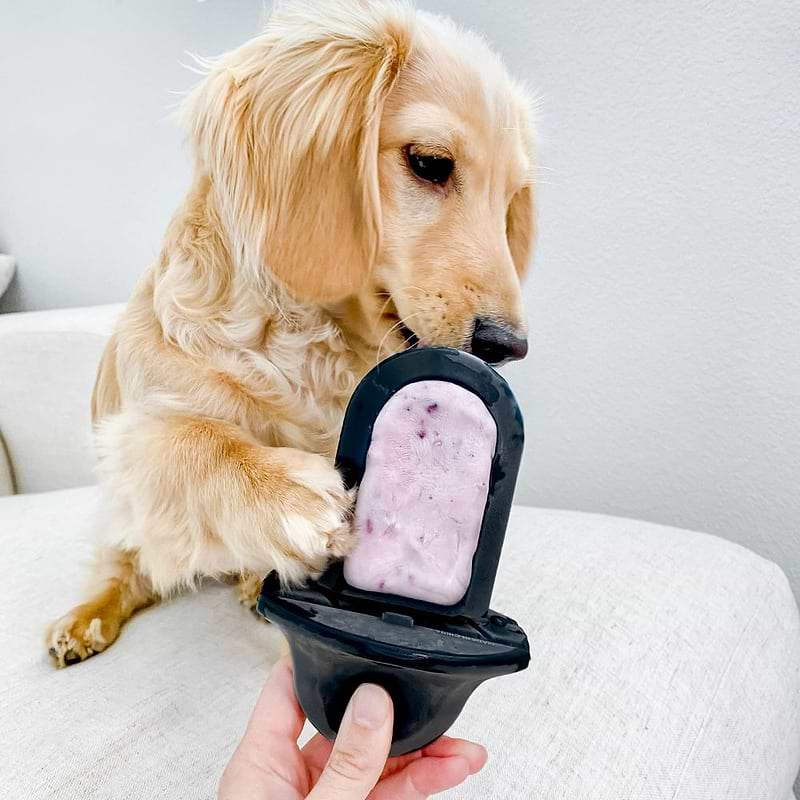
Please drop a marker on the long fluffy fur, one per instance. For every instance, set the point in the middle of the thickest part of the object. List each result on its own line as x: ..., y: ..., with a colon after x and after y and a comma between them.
x: 282, y: 279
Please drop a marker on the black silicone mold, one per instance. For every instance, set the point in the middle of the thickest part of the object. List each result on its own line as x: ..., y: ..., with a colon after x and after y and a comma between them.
x: 430, y: 658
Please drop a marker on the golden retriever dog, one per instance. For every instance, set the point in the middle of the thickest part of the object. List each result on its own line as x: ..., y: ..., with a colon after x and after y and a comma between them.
x: 362, y: 183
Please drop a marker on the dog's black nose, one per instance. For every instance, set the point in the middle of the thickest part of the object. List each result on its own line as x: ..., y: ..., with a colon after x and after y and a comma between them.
x: 496, y: 343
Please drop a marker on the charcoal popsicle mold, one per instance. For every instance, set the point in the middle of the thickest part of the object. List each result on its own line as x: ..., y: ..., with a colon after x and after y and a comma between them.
x: 399, y: 612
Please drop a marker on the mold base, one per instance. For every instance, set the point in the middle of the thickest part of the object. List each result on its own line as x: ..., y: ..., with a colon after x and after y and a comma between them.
x: 429, y: 667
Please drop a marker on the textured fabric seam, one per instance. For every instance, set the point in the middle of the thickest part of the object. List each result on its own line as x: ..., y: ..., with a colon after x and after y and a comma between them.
x: 5, y: 458
x: 720, y: 681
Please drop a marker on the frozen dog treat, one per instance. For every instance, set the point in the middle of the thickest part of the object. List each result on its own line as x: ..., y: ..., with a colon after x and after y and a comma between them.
x: 421, y: 500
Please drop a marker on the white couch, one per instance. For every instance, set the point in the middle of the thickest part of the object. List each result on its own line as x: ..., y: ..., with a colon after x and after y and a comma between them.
x: 665, y: 664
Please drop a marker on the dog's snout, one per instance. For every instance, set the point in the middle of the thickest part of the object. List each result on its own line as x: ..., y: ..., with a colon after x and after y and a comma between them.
x: 496, y: 343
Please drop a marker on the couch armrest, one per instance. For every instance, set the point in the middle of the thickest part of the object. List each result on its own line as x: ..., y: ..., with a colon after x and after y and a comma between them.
x: 48, y: 361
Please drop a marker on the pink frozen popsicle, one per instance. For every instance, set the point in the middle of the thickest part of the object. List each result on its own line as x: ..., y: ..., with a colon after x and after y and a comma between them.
x: 422, y: 496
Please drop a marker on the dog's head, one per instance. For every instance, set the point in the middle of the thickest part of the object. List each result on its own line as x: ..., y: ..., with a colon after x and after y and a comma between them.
x: 379, y: 161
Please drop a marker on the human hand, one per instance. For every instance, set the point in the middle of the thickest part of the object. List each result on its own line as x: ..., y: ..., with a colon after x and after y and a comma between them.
x: 269, y: 765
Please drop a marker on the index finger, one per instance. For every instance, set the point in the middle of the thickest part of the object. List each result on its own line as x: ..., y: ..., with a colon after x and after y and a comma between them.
x: 277, y: 712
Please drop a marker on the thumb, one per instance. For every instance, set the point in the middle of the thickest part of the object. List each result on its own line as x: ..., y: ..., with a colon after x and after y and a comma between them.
x: 361, y: 748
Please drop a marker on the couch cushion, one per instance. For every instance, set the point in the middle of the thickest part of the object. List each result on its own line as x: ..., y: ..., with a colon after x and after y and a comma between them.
x: 48, y: 363
x: 664, y: 665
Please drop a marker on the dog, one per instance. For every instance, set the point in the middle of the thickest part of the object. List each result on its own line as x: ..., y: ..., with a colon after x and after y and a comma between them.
x: 363, y: 182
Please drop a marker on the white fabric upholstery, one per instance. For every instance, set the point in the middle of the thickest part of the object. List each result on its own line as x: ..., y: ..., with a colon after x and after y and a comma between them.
x: 664, y: 666
x: 48, y: 362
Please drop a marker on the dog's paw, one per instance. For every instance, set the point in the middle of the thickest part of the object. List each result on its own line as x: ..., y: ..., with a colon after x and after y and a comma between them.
x: 319, y: 513
x: 249, y: 590
x: 338, y: 533
x: 330, y: 509
x: 78, y: 636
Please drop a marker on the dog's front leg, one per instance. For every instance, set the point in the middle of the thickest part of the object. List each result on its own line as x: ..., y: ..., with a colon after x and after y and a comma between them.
x: 200, y: 496
x: 194, y: 497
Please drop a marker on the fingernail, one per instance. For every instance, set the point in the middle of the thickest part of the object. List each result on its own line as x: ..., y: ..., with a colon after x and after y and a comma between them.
x: 370, y: 706
x: 485, y: 755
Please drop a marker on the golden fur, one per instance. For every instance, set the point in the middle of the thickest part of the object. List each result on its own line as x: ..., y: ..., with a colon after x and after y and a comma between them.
x: 303, y: 240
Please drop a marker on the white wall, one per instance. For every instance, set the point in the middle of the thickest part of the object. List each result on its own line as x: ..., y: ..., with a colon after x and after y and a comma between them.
x: 664, y: 378
x: 91, y: 163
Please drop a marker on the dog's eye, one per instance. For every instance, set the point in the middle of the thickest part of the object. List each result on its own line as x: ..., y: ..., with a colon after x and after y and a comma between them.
x: 431, y: 168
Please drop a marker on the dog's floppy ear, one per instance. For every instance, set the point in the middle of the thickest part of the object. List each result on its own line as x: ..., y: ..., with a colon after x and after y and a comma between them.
x: 287, y: 128
x: 521, y: 214
x: 520, y: 228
